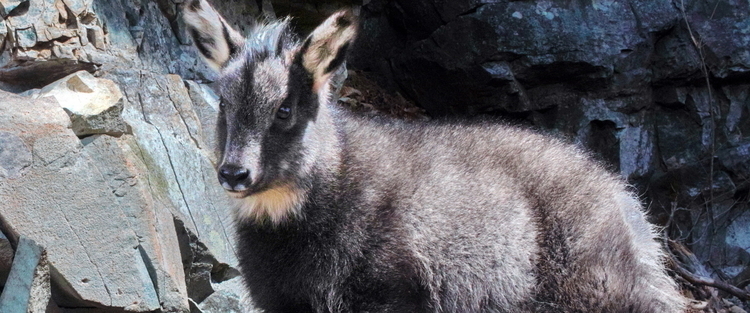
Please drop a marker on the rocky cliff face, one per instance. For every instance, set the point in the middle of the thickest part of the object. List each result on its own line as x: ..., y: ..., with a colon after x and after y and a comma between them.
x: 110, y: 176
x: 108, y: 200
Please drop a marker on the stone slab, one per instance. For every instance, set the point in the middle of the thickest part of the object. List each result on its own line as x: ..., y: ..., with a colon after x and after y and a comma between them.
x: 62, y: 202
x: 28, y: 286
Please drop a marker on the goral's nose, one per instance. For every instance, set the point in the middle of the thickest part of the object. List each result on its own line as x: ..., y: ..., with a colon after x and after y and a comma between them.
x: 234, y: 177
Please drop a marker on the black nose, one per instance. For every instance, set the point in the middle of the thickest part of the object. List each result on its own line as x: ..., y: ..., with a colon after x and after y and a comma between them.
x: 234, y: 177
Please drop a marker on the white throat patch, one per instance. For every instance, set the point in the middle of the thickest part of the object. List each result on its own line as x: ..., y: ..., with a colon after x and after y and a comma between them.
x: 275, y: 205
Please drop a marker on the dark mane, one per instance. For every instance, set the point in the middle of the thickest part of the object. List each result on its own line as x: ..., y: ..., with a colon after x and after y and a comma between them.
x: 270, y: 39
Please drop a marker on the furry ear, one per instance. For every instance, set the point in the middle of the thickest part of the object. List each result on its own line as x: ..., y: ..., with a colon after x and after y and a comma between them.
x: 216, y: 41
x: 325, y: 49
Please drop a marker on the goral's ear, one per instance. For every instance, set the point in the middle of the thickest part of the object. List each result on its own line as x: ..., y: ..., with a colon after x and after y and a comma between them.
x: 216, y: 41
x: 325, y: 49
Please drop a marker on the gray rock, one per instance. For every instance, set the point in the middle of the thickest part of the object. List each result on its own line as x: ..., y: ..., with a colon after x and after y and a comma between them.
x: 736, y: 309
x: 159, y: 110
x: 170, y: 127
x: 95, y: 35
x: 25, y: 37
x: 142, y: 35
x: 124, y: 173
x: 77, y: 7
x: 15, y: 156
x: 236, y: 12
x: 8, y: 5
x: 542, y: 44
x: 737, y: 121
x: 131, y: 188
x: 717, y: 240
x: 637, y: 151
x: 697, y: 185
x: 443, y: 53
x: 54, y: 207
x: 93, y: 104
x: 206, y: 105
x: 672, y: 97
x: 676, y: 58
x: 3, y: 31
x: 28, y: 286
x: 194, y: 307
x: 201, y: 268
x: 44, y: 41
x: 679, y: 134
x: 721, y: 29
x: 61, y: 37
x: 227, y: 298
x: 737, y: 160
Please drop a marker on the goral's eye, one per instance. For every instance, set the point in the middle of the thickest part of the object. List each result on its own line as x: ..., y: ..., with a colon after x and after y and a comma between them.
x: 284, y: 112
x: 222, y: 102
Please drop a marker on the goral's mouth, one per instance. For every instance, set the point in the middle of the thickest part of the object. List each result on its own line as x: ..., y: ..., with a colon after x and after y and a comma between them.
x: 237, y: 194
x: 241, y: 191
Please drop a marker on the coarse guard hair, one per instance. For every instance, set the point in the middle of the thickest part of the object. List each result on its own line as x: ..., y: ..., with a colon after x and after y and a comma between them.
x: 341, y: 213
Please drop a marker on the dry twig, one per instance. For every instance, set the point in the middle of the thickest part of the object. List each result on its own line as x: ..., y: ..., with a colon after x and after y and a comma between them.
x: 696, y: 279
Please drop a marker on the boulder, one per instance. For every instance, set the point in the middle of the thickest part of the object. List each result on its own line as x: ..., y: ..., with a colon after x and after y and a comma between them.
x: 212, y: 286
x: 227, y: 298
x: 93, y: 104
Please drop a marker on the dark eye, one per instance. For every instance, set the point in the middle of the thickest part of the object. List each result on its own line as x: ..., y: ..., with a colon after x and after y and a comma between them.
x: 222, y: 103
x: 284, y: 112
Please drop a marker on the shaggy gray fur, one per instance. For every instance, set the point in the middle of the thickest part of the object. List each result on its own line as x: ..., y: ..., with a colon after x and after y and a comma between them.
x: 339, y: 213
